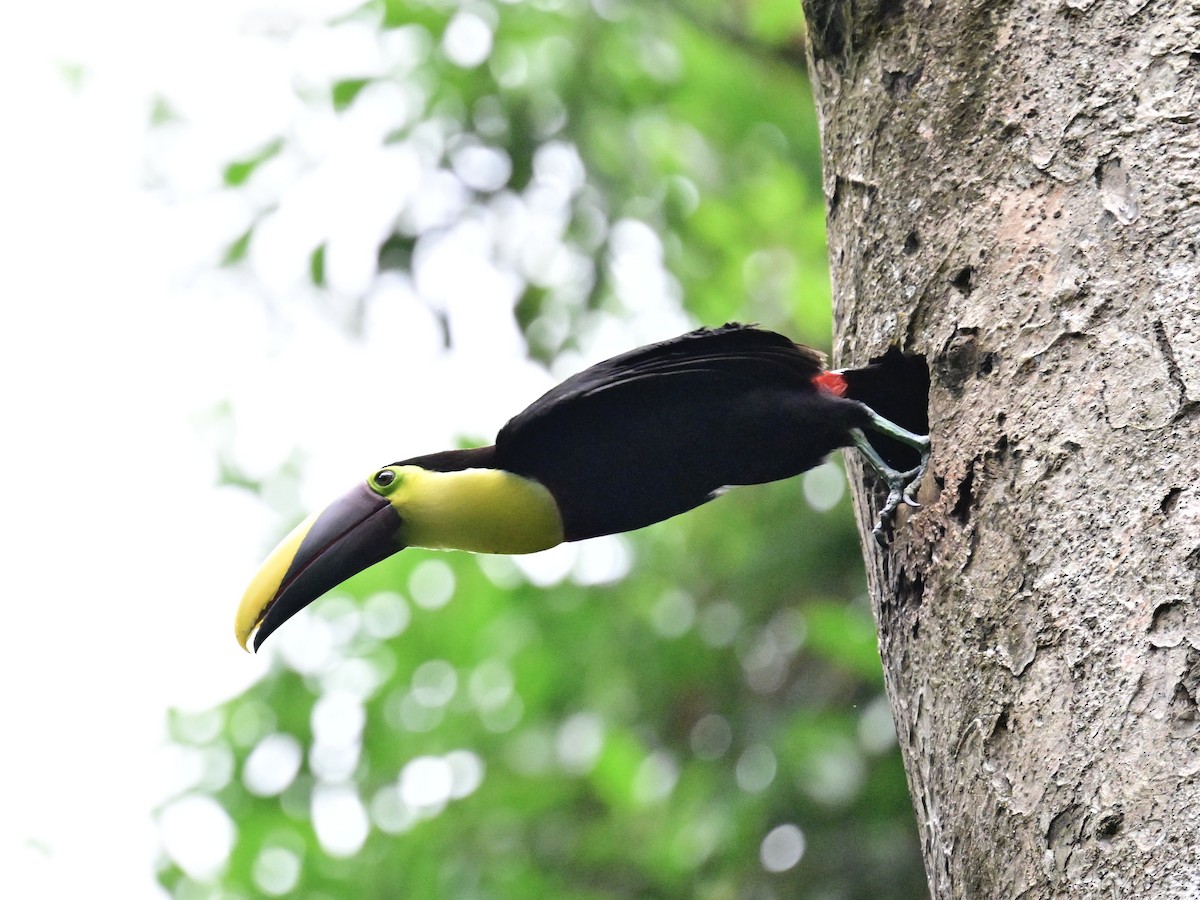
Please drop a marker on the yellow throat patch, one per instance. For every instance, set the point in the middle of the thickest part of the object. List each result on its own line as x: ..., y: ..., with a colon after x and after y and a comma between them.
x: 482, y: 510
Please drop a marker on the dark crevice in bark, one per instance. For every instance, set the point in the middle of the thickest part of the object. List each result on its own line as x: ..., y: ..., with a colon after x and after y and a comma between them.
x: 828, y: 27
x: 1109, y: 826
x: 1001, y: 725
x: 966, y: 498
x: 899, y: 83
x: 1164, y: 616
x: 1186, y: 406
x: 839, y: 30
x: 964, y: 281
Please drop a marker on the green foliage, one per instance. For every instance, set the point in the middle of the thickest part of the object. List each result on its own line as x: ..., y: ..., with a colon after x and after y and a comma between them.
x: 344, y: 92
x: 236, y: 173
x: 316, y: 266
x: 237, y: 250
x: 641, y: 736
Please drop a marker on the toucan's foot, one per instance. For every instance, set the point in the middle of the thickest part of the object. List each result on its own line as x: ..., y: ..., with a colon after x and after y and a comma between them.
x: 902, y: 486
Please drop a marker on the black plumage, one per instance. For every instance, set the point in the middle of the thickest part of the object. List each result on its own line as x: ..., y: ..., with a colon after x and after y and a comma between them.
x: 657, y: 431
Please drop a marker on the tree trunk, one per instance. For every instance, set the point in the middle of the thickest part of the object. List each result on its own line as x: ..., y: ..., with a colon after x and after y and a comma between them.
x: 1014, y: 191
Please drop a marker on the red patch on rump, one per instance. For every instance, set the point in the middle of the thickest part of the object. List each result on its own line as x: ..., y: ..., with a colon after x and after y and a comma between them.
x: 833, y: 382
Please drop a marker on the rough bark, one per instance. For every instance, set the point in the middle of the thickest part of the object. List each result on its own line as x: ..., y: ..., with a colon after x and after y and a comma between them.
x: 1013, y: 191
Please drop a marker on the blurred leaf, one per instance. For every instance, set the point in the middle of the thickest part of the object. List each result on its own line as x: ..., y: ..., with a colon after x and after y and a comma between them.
x: 343, y: 93
x: 236, y: 251
x: 161, y: 111
x: 238, y: 172
x: 316, y: 266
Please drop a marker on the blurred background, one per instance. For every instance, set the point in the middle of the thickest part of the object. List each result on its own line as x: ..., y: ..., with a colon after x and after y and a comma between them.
x: 254, y: 250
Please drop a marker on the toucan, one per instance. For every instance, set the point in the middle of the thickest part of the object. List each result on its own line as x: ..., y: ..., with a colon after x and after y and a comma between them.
x: 629, y: 442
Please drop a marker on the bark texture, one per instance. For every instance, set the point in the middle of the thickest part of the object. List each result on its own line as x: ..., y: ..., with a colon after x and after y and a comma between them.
x: 1013, y: 191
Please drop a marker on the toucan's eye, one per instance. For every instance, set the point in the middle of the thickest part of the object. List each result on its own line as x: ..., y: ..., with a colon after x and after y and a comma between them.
x: 384, y: 477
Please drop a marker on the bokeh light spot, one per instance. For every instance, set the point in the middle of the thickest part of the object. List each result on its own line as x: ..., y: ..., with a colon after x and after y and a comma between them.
x: 386, y: 615
x: 426, y: 782
x: 197, y: 834
x: 404, y: 711
x: 276, y: 871
x: 466, y: 773
x: 482, y: 168
x: 504, y: 718
x: 467, y: 41
x: 305, y: 643
x: 530, y: 751
x: 782, y: 848
x: 431, y: 584
x: 334, y: 764
x: 201, y: 727
x: 339, y: 819
x: 548, y: 567
x: 360, y: 677
x: 876, y: 728
x: 579, y: 741
x: 756, y: 769
x: 272, y: 765
x: 490, y: 685
x: 824, y: 486
x: 338, y: 718
x: 720, y: 623
x: 673, y: 614
x: 250, y: 721
x: 389, y: 811
x: 711, y: 736
x: 602, y: 560
x: 434, y: 683
x: 835, y: 774
x: 655, y: 778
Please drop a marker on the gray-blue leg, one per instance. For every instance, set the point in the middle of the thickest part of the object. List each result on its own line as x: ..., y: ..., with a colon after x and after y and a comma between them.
x: 902, y: 486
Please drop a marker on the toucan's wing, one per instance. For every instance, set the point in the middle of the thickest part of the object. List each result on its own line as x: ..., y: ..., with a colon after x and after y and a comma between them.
x: 654, y: 432
x: 709, y: 358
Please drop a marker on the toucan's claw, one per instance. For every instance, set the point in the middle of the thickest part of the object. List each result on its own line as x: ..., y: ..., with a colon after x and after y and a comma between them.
x: 914, y: 483
x: 899, y: 485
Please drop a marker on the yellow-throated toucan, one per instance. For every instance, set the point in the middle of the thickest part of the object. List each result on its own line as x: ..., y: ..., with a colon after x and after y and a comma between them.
x: 631, y: 441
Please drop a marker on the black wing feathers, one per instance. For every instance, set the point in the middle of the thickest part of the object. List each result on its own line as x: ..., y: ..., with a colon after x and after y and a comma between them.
x: 732, y: 353
x: 652, y: 433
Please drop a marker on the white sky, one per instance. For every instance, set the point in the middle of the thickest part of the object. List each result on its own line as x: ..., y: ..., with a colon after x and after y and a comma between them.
x: 122, y: 563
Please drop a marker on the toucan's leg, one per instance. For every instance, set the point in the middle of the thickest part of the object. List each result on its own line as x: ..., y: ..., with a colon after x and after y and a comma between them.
x: 902, y: 486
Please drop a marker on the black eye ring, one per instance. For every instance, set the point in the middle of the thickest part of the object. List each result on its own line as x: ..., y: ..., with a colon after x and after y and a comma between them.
x: 385, y: 477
